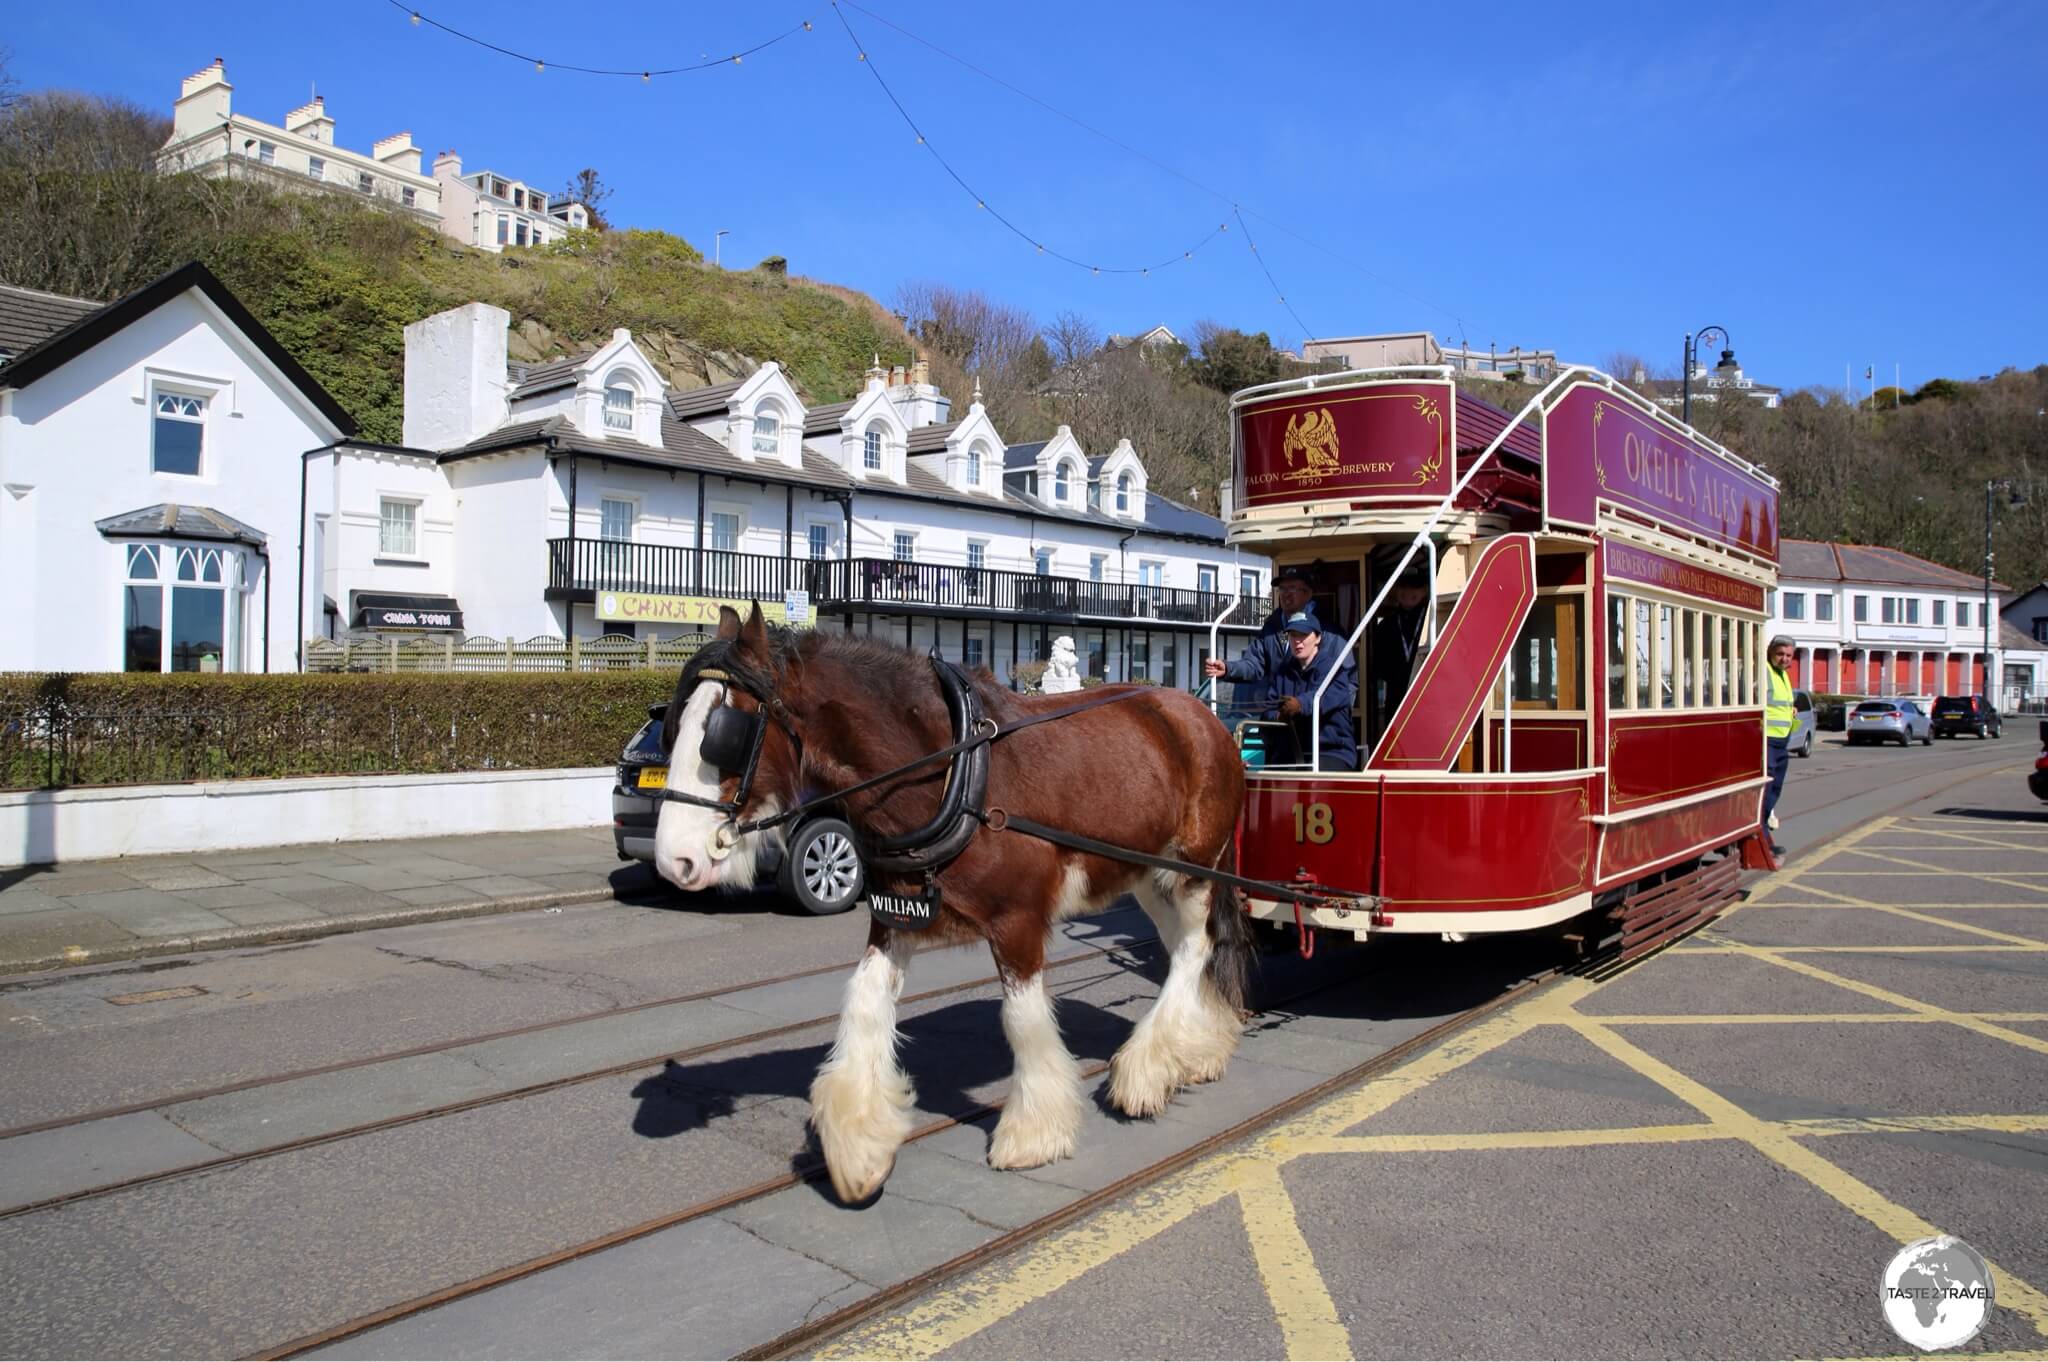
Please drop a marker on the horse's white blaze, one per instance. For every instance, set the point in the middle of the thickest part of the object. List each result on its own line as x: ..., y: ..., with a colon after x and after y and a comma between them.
x: 1042, y: 1117
x: 860, y: 1100
x: 683, y: 833
x: 1191, y: 1032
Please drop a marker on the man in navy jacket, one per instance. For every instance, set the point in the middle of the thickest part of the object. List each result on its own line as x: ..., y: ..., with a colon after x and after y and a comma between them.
x: 1289, y: 679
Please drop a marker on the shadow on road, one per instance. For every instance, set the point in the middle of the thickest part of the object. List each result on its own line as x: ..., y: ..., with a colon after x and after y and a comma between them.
x: 1998, y: 815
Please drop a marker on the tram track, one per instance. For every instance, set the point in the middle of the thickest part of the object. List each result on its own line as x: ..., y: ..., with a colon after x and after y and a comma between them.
x: 613, y: 1070
x: 809, y: 1167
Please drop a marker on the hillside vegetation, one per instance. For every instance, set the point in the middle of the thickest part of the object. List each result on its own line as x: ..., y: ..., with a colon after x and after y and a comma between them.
x: 82, y: 211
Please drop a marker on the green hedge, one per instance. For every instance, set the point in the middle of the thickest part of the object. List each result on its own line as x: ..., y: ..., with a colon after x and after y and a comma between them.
x: 108, y: 728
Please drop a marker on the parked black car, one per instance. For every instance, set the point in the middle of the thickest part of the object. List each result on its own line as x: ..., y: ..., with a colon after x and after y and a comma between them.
x: 2037, y: 779
x: 1958, y: 714
x: 818, y: 865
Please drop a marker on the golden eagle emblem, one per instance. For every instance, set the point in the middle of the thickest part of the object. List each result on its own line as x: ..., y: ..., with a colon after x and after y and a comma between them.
x: 1314, y: 434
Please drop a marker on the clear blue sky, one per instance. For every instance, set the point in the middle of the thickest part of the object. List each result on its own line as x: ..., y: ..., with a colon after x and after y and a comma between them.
x: 1832, y: 183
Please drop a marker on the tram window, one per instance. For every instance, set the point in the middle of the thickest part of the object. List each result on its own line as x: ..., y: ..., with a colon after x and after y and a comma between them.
x: 1642, y: 654
x: 1721, y: 694
x: 1666, y: 689
x: 1546, y: 656
x: 1756, y: 664
x: 1617, y: 652
x: 1688, y: 638
x: 1740, y: 674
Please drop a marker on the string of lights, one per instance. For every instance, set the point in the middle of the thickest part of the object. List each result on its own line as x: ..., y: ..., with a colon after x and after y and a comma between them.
x: 1153, y: 161
x: 1306, y: 333
x: 981, y: 202
x: 646, y: 74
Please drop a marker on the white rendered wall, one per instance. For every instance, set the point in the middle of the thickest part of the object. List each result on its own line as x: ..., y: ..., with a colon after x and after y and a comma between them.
x: 356, y: 562
x: 41, y: 827
x: 502, y: 524
x: 75, y: 449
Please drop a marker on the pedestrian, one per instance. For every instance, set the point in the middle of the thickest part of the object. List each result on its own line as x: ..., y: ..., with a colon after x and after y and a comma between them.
x: 1779, y: 720
x: 1390, y: 650
x: 1291, y: 686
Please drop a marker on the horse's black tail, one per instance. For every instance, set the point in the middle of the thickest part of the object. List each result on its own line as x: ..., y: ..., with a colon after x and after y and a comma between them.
x: 1232, y: 950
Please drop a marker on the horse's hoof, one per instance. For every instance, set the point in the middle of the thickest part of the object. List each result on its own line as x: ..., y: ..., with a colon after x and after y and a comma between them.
x: 858, y: 1188
x: 1014, y: 1147
x: 1140, y: 1088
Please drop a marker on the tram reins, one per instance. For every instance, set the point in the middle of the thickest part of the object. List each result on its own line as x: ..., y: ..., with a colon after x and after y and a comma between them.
x: 733, y: 745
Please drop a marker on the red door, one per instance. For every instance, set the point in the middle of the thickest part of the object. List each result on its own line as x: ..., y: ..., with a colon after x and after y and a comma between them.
x: 1955, y: 675
x: 1823, y: 671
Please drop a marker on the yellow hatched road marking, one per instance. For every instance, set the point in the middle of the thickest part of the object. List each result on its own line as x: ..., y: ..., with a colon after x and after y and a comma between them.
x: 1287, y: 1266
x: 1987, y: 876
x: 1784, y: 879
x: 1972, y: 838
x: 1693, y: 1132
x: 1847, y: 901
x: 1800, y: 1018
x: 1967, y: 928
x: 940, y: 1321
x: 2031, y: 948
x: 1915, y: 874
x: 1785, y: 1150
x: 1885, y: 995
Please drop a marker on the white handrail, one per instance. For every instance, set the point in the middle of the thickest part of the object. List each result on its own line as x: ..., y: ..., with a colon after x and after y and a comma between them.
x: 1422, y: 537
x: 1215, y: 631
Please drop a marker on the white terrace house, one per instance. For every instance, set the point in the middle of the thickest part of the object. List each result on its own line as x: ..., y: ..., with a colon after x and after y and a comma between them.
x: 1880, y: 621
x: 492, y: 211
x: 586, y: 495
x: 209, y: 138
x: 149, y: 455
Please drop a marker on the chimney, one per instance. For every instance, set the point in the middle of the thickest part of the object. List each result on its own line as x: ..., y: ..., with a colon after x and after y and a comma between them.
x: 398, y: 152
x: 455, y: 382
x: 921, y: 372
x: 450, y: 163
x: 896, y: 377
x: 203, y: 102
x: 311, y: 121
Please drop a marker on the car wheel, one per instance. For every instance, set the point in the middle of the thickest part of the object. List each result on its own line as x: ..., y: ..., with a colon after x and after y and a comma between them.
x: 1980, y: 733
x: 1806, y: 748
x: 1927, y: 738
x: 821, y: 867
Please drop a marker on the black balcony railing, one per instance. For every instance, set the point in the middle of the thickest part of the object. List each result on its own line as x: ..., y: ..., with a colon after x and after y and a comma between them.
x: 591, y: 565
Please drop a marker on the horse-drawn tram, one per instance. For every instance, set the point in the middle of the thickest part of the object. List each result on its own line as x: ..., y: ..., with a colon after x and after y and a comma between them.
x: 1568, y: 712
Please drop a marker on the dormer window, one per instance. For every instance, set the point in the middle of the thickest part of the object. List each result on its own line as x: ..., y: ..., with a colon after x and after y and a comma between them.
x: 974, y: 456
x: 767, y: 431
x: 1123, y: 494
x: 618, y: 407
x: 1062, y: 483
x: 871, y: 449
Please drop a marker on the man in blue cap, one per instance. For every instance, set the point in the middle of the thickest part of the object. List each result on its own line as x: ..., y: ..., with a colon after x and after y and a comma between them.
x: 1290, y: 677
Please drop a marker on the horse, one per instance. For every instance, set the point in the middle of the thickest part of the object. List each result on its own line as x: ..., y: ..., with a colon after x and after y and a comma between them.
x: 1152, y: 772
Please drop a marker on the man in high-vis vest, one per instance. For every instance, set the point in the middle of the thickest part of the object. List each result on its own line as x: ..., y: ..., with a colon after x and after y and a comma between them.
x: 1779, y: 720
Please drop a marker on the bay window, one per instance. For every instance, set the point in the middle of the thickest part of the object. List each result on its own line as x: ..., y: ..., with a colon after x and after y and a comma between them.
x: 177, y: 605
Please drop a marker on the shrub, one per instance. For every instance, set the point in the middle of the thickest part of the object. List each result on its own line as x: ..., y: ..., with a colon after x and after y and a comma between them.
x: 1028, y: 676
x: 120, y: 728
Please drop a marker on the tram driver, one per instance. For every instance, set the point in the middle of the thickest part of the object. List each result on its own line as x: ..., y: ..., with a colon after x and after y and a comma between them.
x: 1390, y: 650
x: 1290, y: 676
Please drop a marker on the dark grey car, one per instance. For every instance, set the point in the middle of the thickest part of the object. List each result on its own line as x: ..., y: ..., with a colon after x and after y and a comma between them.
x: 818, y: 864
x: 1899, y: 721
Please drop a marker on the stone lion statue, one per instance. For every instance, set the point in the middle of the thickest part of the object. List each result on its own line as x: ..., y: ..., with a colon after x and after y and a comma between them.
x: 1063, y: 672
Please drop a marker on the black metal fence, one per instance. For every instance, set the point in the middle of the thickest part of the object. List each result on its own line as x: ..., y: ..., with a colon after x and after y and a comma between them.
x: 661, y: 569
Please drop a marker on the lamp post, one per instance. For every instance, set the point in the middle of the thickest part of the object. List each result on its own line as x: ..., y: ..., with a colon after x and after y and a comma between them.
x: 1692, y: 351
x: 718, y: 250
x: 2014, y: 498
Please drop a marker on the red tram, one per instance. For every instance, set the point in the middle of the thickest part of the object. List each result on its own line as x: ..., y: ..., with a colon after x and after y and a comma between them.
x: 1583, y: 715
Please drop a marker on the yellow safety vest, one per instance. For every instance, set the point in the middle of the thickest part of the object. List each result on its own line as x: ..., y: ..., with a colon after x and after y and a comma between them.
x: 1779, y: 717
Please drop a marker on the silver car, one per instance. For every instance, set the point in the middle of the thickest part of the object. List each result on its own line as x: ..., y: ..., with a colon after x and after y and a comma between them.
x: 1800, y: 743
x: 1899, y: 721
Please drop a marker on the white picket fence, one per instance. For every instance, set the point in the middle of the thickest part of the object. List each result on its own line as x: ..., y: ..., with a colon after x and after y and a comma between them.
x: 611, y: 652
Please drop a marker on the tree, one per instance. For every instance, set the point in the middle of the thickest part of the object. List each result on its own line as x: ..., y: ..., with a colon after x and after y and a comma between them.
x: 588, y: 188
x: 82, y: 209
x: 1072, y: 339
x: 1228, y: 359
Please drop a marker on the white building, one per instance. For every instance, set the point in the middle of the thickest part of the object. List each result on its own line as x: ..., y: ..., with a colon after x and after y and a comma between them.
x: 150, y: 452
x: 587, y: 496
x: 492, y: 211
x: 1391, y: 348
x: 1880, y: 621
x: 209, y: 138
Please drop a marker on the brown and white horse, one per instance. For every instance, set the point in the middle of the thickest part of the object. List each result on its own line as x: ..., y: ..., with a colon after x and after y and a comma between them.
x: 1154, y: 774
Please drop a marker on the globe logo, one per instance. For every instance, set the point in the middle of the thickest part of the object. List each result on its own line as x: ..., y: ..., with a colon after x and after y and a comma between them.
x: 1936, y: 1293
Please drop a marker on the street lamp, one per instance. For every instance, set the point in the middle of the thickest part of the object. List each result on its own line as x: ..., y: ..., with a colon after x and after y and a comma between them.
x: 1726, y: 367
x: 718, y: 250
x: 2014, y: 498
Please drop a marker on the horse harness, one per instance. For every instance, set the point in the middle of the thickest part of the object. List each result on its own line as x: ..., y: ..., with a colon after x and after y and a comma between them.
x: 732, y: 745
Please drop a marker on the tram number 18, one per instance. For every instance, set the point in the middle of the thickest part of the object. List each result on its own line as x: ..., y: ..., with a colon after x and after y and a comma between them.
x: 1313, y: 823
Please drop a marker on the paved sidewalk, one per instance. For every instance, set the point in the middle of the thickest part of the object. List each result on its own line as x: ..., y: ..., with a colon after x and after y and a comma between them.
x: 92, y: 911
